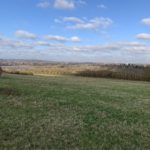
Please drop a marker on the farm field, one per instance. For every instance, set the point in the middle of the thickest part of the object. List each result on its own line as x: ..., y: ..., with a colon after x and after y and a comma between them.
x: 73, y: 113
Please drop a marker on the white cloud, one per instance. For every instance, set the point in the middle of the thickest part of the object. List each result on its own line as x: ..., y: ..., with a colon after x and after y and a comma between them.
x: 110, y: 52
x: 131, y: 47
x: 125, y: 46
x: 81, y: 2
x: 75, y: 39
x: 64, y: 4
x: 8, y: 43
x: 72, y: 19
x: 116, y: 47
x: 143, y: 36
x: 94, y: 23
x: 102, y: 6
x: 132, y: 44
x: 58, y: 38
x: 146, y: 21
x: 61, y: 4
x: 42, y: 43
x: 43, y: 4
x: 25, y: 34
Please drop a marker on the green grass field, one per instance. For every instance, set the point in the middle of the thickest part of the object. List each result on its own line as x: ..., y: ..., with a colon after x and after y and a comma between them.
x: 73, y: 113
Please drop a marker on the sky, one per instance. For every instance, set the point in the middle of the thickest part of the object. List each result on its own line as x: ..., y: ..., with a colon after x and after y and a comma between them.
x: 104, y: 31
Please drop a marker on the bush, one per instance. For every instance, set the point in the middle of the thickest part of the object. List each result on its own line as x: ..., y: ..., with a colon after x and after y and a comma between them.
x: 19, y: 72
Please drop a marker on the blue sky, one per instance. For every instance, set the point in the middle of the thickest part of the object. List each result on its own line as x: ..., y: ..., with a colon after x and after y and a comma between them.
x: 108, y: 31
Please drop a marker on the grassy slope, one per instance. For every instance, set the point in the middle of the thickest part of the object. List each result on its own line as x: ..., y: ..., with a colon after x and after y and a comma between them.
x: 73, y: 113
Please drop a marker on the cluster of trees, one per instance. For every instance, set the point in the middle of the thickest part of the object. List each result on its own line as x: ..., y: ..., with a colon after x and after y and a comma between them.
x: 0, y: 71
x: 128, y: 72
x: 19, y: 72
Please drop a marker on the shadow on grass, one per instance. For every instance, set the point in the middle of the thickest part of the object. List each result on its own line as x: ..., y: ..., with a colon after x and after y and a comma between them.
x: 8, y: 91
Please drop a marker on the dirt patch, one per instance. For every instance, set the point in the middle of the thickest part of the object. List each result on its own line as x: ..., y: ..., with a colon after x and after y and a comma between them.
x: 8, y: 91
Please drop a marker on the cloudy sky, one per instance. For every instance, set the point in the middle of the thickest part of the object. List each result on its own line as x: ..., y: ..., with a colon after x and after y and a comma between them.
x: 108, y: 31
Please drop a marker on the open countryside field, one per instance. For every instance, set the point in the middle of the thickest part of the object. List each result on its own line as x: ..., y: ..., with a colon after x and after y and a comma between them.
x: 116, y: 71
x: 67, y: 112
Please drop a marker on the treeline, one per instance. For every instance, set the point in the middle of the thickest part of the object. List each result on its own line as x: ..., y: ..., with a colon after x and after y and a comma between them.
x: 19, y: 72
x: 1, y: 71
x: 122, y: 71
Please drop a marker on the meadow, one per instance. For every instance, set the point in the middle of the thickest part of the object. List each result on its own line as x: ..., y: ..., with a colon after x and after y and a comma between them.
x: 73, y: 113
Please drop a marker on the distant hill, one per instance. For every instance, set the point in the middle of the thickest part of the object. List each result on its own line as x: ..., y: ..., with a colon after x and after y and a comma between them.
x: 16, y: 62
x: 13, y: 62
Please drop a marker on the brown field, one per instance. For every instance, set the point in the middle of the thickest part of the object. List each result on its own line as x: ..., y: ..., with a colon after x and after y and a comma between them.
x: 120, y: 71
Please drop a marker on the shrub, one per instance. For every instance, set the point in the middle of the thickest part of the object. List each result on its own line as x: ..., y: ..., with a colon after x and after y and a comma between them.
x: 19, y: 72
